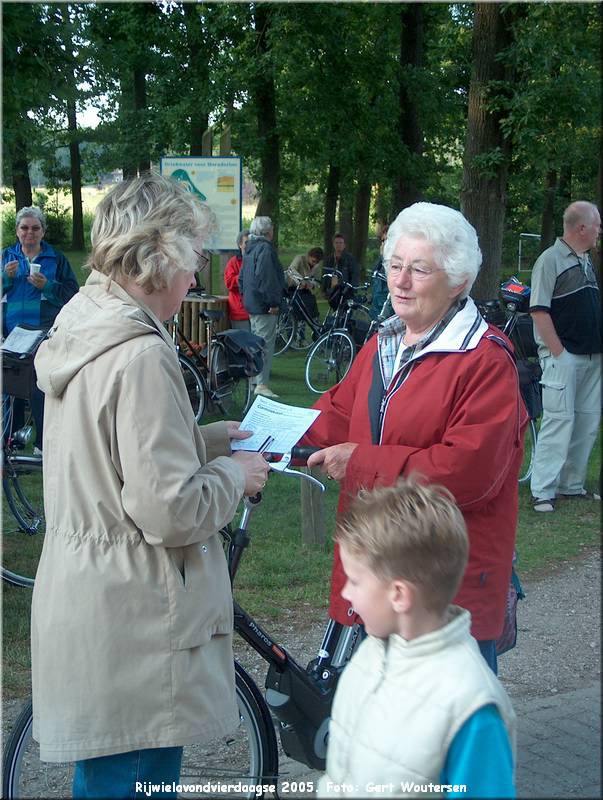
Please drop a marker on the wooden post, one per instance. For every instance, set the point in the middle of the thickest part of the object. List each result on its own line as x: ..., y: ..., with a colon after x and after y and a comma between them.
x: 206, y: 150
x: 312, y: 512
x: 225, y: 150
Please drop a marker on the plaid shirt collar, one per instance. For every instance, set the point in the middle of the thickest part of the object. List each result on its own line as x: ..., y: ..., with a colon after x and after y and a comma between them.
x: 390, y: 336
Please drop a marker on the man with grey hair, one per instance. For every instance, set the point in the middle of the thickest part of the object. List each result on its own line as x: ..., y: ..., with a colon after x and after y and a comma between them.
x: 566, y: 309
x: 262, y: 283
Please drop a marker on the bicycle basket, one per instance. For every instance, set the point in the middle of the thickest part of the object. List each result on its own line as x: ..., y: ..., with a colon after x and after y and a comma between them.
x: 513, y: 291
x: 245, y: 352
x: 492, y: 312
x: 18, y: 373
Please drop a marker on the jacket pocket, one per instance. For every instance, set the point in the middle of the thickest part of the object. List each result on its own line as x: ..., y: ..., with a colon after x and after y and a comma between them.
x: 200, y: 601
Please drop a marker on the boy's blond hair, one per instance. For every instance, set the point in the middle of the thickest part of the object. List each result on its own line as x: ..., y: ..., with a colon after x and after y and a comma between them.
x: 409, y: 531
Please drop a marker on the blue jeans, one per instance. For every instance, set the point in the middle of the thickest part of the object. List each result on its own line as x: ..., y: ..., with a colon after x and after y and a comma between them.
x: 116, y: 776
x: 488, y: 650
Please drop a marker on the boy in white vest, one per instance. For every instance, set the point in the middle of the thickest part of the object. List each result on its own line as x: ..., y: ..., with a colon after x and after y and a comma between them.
x: 417, y: 711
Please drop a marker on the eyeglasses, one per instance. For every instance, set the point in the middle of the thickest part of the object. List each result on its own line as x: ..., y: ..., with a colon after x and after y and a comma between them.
x: 203, y: 260
x: 418, y: 272
x: 33, y: 228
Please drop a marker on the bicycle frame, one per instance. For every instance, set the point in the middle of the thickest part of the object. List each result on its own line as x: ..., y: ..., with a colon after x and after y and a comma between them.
x: 300, y: 698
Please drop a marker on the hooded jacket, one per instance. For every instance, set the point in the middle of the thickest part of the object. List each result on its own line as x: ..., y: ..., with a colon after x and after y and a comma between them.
x: 261, y: 280
x: 132, y: 610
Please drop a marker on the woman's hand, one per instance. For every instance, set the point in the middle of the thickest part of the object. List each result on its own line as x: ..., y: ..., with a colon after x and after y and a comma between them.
x: 256, y: 470
x: 333, y: 460
x: 235, y: 432
x: 11, y: 268
x: 38, y: 280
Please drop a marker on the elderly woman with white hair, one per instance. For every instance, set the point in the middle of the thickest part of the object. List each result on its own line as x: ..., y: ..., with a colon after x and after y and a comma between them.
x: 132, y: 608
x: 262, y: 284
x: 435, y: 393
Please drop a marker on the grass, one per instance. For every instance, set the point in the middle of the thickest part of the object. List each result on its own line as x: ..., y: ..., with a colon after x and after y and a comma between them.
x: 280, y: 577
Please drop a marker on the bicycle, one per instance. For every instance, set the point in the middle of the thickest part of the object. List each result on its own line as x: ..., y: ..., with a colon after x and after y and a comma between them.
x: 347, y: 330
x: 209, y: 380
x: 23, y: 517
x: 24, y: 523
x: 292, y: 320
x: 246, y: 762
x: 514, y: 320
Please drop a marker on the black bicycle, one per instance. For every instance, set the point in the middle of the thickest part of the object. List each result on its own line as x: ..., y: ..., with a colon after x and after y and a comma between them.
x: 297, y: 698
x: 347, y: 330
x: 513, y: 318
x: 23, y: 520
x: 211, y: 383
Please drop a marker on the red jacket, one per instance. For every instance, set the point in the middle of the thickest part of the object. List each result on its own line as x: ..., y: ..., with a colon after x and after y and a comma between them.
x: 458, y: 420
x: 236, y: 310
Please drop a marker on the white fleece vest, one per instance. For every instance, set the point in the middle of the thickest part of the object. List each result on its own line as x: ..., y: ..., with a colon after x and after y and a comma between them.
x: 399, y: 705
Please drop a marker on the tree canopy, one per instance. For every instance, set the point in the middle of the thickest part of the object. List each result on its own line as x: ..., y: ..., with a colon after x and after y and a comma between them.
x: 342, y: 113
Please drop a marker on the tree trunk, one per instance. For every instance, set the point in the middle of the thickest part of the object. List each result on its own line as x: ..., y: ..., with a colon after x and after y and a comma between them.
x: 408, y: 182
x: 547, y: 227
x: 330, y: 207
x: 346, y: 214
x: 361, y: 220
x: 265, y: 98
x: 198, y: 77
x: 20, y: 173
x: 140, y: 108
x: 483, y: 188
x: 77, y: 230
x: 129, y: 166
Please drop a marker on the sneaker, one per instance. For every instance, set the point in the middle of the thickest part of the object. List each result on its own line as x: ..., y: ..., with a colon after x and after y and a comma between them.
x: 37, y: 451
x: 543, y: 504
x: 264, y: 391
x: 581, y: 496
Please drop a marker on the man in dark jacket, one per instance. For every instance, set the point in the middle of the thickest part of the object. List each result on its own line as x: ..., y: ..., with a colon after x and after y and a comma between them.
x: 262, y: 283
x: 340, y: 267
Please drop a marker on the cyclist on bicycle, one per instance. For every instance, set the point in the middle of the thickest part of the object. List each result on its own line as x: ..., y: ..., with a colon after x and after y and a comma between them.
x: 340, y: 267
x: 301, y: 273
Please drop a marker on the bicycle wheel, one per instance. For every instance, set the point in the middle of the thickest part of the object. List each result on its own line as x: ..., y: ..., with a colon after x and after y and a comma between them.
x: 529, y: 448
x: 302, y: 336
x: 230, y: 394
x: 248, y: 756
x: 24, y: 524
x: 285, y: 330
x: 195, y: 385
x: 329, y: 360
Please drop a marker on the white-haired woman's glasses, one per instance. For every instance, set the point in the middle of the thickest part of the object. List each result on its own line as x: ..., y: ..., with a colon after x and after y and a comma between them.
x: 419, y: 271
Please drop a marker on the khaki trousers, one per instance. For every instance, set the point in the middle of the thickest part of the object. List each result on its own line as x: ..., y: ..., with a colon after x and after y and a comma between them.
x: 571, y: 399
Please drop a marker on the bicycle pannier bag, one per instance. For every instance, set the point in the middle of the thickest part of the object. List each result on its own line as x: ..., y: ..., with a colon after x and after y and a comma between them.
x: 525, y: 334
x: 358, y: 330
x: 508, y: 638
x: 245, y: 352
x: 529, y: 385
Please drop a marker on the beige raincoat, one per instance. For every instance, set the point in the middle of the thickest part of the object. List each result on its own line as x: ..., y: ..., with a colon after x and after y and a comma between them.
x: 132, y: 611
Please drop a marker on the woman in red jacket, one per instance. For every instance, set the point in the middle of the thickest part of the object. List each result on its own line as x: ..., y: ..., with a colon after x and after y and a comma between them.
x: 435, y: 393
x: 239, y: 318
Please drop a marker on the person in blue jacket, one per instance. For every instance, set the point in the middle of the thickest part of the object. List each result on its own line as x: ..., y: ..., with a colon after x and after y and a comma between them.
x: 37, y: 281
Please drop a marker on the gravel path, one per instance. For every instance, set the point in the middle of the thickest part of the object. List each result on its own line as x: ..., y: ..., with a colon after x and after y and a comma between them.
x: 558, y: 647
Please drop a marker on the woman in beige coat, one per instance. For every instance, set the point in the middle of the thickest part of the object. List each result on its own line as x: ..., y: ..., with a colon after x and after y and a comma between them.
x: 132, y: 612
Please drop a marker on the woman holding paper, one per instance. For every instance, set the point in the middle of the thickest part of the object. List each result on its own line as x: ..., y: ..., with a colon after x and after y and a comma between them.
x: 132, y: 643
x: 435, y: 393
x: 37, y: 280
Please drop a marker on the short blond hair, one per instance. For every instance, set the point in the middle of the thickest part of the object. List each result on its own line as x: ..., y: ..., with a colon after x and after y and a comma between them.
x: 410, y: 531
x: 144, y: 229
